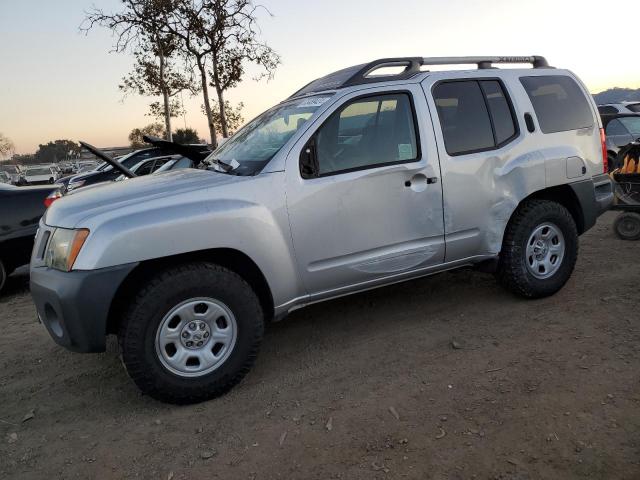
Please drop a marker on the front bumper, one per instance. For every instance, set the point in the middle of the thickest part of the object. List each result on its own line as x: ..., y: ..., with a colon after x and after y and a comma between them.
x: 74, y: 306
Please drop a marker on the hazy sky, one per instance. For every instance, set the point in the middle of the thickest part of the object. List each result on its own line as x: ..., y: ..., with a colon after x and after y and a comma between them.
x: 58, y: 83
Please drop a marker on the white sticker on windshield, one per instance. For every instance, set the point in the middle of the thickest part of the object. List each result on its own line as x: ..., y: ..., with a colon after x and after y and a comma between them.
x: 405, y: 151
x: 312, y: 102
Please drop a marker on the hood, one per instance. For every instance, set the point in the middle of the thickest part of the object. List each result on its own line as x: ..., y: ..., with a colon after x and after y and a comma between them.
x: 71, y: 210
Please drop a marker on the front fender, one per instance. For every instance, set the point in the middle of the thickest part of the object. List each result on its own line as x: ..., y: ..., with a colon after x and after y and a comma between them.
x: 257, y: 227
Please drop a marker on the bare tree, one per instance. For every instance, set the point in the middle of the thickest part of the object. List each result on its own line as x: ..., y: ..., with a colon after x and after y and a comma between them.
x: 141, y: 25
x: 154, y: 75
x: 6, y: 146
x: 153, y: 130
x: 220, y: 37
x: 232, y: 115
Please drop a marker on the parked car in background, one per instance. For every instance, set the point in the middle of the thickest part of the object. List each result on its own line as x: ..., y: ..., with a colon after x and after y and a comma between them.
x: 4, y: 177
x: 145, y: 161
x: 20, y: 212
x: 13, y: 171
x: 621, y: 129
x: 106, y: 173
x: 623, y: 107
x: 39, y: 175
x: 356, y: 181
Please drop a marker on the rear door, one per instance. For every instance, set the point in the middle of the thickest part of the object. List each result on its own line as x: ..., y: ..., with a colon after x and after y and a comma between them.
x: 372, y: 209
x: 477, y: 134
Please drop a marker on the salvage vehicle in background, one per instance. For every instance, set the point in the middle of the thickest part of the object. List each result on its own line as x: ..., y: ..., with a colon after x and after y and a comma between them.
x: 13, y: 171
x: 140, y: 159
x: 22, y: 208
x: 626, y: 178
x: 39, y: 175
x: 358, y: 180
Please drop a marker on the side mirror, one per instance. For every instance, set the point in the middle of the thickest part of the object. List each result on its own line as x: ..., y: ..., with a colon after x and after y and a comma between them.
x: 309, y: 160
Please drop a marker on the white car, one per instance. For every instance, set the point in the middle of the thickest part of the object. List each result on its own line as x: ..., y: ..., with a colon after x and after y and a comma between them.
x: 622, y: 107
x: 38, y: 175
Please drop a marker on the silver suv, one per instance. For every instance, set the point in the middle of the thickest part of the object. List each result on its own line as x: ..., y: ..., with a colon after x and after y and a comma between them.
x: 372, y: 175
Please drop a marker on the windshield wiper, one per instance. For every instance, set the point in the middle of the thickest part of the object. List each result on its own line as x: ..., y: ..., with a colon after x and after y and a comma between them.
x: 224, y: 166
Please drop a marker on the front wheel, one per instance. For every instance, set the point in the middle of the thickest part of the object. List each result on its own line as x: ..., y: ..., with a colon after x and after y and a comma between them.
x: 191, y: 333
x: 539, y: 250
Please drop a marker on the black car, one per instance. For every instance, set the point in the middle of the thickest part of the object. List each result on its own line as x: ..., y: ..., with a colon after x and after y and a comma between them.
x: 621, y: 129
x: 22, y: 208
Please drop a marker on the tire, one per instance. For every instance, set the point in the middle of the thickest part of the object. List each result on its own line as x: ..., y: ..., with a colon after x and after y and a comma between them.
x: 3, y: 275
x: 627, y: 226
x: 527, y: 266
x: 148, y: 322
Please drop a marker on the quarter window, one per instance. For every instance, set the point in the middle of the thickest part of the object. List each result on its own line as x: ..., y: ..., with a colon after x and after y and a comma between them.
x: 367, y: 132
x: 616, y: 128
x: 474, y: 115
x: 559, y: 103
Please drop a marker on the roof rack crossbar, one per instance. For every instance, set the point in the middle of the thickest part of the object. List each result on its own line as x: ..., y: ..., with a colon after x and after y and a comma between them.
x: 482, y: 62
x: 413, y: 64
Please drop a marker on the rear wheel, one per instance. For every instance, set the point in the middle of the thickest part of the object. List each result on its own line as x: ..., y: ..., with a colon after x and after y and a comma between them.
x: 191, y: 333
x: 540, y: 249
x: 627, y: 226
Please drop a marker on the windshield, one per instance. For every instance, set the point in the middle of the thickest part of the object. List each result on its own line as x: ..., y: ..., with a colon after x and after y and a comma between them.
x: 632, y: 124
x: 38, y: 171
x: 249, y: 150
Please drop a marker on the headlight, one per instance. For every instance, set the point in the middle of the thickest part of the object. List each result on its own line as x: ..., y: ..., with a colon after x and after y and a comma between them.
x: 64, y: 247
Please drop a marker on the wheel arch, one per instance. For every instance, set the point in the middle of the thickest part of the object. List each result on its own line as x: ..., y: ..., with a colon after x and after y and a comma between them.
x: 229, y: 258
x: 566, y: 196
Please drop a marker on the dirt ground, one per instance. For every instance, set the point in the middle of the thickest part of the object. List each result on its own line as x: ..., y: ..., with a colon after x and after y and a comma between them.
x: 447, y: 377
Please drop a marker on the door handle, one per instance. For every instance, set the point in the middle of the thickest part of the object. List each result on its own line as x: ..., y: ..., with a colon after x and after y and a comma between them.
x: 421, y: 179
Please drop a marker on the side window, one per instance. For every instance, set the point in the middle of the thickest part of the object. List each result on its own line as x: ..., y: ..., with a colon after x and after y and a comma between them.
x: 464, y: 117
x: 146, y: 168
x: 183, y: 163
x: 634, y: 107
x: 158, y: 163
x: 367, y: 132
x: 501, y: 114
x: 615, y: 127
x: 559, y: 103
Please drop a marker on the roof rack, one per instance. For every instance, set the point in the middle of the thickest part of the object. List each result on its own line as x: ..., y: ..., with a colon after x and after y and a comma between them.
x: 361, y: 74
x: 413, y: 65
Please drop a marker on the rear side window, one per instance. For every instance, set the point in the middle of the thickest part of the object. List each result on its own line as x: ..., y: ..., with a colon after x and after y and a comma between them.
x: 559, y: 103
x: 474, y: 115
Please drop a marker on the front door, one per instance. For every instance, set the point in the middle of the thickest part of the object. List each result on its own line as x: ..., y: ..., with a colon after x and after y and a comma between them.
x: 369, y: 209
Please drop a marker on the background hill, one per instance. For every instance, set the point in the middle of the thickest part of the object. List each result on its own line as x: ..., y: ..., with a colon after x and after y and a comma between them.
x: 615, y: 95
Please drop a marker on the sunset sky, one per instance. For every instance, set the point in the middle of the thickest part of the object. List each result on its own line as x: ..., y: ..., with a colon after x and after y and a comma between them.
x: 58, y: 83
